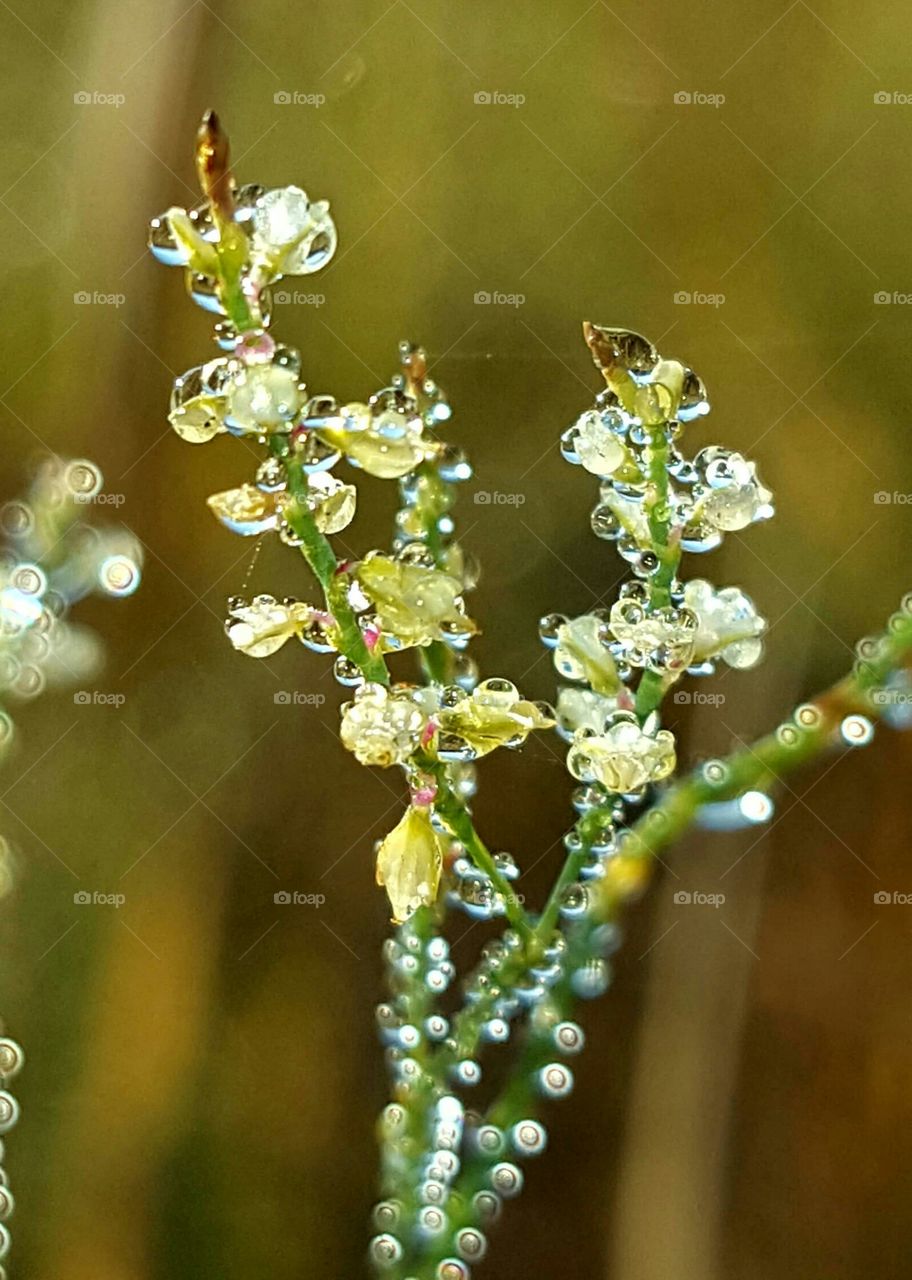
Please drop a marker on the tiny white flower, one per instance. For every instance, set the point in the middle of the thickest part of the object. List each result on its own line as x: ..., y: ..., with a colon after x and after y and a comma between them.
x: 624, y: 758
x: 733, y: 496
x: 728, y: 624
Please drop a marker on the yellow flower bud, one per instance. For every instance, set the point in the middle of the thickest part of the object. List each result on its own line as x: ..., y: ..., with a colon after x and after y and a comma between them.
x: 409, y: 863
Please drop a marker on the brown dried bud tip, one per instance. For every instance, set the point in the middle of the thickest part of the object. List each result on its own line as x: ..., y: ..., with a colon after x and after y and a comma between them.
x: 619, y: 350
x: 212, y: 167
x: 414, y: 365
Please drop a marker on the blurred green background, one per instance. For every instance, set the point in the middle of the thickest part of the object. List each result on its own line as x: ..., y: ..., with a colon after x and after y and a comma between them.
x: 733, y: 180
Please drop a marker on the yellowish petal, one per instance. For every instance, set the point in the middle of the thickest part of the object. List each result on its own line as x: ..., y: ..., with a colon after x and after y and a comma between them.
x: 247, y: 510
x: 199, y: 254
x: 409, y: 864
x: 198, y: 419
x: 493, y: 715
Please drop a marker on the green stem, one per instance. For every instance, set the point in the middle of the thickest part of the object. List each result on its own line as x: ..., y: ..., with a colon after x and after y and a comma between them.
x: 318, y: 553
x: 778, y: 753
x: 770, y: 757
x: 454, y: 813
x: 653, y: 686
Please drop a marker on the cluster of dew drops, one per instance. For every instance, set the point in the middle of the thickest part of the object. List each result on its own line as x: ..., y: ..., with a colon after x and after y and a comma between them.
x: 457, y: 1134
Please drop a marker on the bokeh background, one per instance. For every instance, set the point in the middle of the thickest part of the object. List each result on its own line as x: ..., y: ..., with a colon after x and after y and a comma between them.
x: 732, y: 180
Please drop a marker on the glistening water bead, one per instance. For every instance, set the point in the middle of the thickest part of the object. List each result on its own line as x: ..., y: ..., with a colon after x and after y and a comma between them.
x: 9, y: 1111
x: 489, y: 1139
x: 529, y: 1138
x: 385, y: 1251
x: 471, y: 1244
x: 386, y: 1215
x: 555, y: 1080
x: 506, y: 1179
x: 431, y: 1221
x: 857, y: 730
x: 591, y: 979
x: 452, y: 1269
x: 568, y: 1037
x: 488, y: 1205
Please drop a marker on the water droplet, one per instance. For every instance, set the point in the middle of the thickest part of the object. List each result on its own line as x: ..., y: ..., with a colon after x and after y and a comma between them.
x: 591, y: 979
x: 489, y: 1139
x: 487, y: 1205
x: 529, y: 1138
x: 431, y: 1220
x: 83, y: 479
x: 568, y: 1037
x: 9, y: 1111
x: 471, y: 1244
x: 715, y: 772
x: 506, y: 1179
x: 12, y: 1058
x: 452, y: 1269
x: 385, y: 1250
x: 386, y: 1215
x: 857, y: 730
x: 467, y: 1072
x: 119, y: 575
x: 555, y: 1080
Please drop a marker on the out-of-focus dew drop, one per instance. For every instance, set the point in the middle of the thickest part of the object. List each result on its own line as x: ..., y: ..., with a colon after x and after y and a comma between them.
x: 119, y: 575
x: 751, y: 809
x: 857, y: 730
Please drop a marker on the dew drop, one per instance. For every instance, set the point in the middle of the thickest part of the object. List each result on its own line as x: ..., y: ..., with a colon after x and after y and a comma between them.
x: 506, y: 1179
x: 119, y: 575
x: 385, y: 1250
x: 529, y: 1138
x: 555, y: 1080
x: 857, y: 730
x: 471, y: 1244
x: 9, y: 1111
x: 715, y: 772
x: 568, y: 1037
x: 807, y: 716
x: 12, y: 1058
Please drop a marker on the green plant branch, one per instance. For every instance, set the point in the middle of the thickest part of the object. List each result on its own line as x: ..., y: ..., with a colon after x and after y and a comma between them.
x: 453, y: 812
x: 778, y: 752
x: 653, y: 685
x: 672, y: 816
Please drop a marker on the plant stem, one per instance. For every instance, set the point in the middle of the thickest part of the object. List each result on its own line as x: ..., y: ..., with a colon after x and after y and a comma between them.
x: 779, y: 752
x: 451, y: 809
x: 653, y: 686
x: 320, y: 556
x: 672, y: 816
